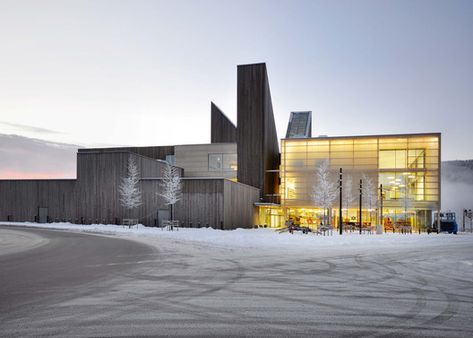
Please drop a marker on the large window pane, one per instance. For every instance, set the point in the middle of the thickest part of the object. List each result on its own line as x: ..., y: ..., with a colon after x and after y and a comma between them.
x: 215, y: 162
x: 387, y: 159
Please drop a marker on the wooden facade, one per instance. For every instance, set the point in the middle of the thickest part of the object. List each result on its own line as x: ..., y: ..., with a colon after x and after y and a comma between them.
x: 154, y: 152
x: 257, y: 141
x: 249, y: 153
x: 222, y: 130
x: 94, y: 197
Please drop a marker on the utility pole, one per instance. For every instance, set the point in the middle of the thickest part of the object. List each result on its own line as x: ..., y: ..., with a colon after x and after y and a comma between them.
x: 340, y: 217
x: 361, y: 193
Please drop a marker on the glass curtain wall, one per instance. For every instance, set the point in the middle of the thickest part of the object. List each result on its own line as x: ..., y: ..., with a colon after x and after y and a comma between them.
x: 407, y: 166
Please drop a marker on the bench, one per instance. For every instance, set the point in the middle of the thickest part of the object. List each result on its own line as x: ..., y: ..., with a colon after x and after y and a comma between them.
x: 170, y: 225
x: 129, y: 222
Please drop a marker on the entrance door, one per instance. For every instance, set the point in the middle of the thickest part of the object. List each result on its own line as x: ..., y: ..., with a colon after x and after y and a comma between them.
x: 43, y: 215
x: 163, y: 215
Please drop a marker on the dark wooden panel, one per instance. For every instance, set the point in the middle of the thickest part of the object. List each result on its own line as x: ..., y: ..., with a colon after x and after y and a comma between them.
x: 239, y: 209
x: 202, y: 203
x: 21, y: 199
x: 221, y: 128
x: 152, y: 152
x: 257, y: 140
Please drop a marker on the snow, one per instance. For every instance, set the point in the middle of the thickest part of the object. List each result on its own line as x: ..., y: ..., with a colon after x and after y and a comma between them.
x: 260, y: 238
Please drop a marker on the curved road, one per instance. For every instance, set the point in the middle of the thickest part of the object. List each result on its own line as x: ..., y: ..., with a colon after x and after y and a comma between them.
x: 81, y: 285
x: 61, y: 265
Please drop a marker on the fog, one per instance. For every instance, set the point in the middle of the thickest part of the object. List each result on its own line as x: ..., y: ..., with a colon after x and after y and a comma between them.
x: 457, y: 187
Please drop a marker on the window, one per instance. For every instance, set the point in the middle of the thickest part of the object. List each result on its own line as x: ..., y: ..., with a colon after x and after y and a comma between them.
x: 392, y: 159
x: 215, y: 162
x: 230, y: 162
x: 222, y: 162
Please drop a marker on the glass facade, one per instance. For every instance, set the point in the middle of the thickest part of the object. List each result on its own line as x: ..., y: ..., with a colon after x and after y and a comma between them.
x: 407, y: 166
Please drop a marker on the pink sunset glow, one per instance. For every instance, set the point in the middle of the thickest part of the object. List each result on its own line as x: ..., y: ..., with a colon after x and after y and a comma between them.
x: 22, y: 175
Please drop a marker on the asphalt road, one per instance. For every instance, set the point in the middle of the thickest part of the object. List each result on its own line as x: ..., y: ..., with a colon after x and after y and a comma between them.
x: 65, y: 264
x: 80, y: 285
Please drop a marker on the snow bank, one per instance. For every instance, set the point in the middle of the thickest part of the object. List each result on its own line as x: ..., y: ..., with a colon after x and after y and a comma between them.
x: 259, y: 238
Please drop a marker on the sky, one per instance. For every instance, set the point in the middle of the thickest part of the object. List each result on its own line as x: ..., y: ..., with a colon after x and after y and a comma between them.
x: 107, y: 73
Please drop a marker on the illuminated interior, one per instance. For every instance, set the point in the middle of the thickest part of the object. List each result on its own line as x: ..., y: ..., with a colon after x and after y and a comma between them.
x: 407, y: 166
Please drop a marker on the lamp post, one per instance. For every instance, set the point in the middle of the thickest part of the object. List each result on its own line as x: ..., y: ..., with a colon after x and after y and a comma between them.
x: 361, y: 193
x: 340, y: 219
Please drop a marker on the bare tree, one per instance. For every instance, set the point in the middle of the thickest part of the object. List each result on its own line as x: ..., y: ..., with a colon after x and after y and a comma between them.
x: 348, y: 197
x: 370, y: 195
x: 130, y: 193
x: 171, y: 187
x: 324, y: 191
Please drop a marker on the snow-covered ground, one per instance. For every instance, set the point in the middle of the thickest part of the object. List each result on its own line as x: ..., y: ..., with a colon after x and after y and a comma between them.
x: 259, y: 238
x: 205, y: 282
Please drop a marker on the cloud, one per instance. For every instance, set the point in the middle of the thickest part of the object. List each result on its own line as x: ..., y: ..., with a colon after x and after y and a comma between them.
x: 23, y: 157
x: 26, y: 128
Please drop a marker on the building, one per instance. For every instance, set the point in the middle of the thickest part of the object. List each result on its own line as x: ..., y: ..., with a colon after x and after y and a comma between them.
x: 407, y: 167
x: 242, y: 178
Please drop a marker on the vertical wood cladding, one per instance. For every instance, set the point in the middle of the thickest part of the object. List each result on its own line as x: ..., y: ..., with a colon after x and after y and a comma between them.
x: 239, y: 210
x: 20, y: 199
x: 94, y: 196
x: 99, y: 176
x: 217, y: 202
x: 158, y: 153
x: 257, y: 142
x: 222, y: 130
